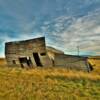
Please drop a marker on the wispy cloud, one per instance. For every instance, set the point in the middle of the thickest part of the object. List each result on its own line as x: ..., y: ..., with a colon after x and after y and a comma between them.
x: 83, y: 32
x: 65, y: 23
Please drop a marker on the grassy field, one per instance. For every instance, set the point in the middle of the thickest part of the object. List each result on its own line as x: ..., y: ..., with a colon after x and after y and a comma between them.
x: 48, y: 84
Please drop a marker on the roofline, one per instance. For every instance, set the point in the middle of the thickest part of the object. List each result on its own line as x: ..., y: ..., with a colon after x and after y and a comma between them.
x: 25, y: 40
x: 73, y: 55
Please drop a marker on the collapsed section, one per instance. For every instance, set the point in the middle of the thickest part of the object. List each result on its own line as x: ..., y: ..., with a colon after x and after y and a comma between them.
x: 25, y: 62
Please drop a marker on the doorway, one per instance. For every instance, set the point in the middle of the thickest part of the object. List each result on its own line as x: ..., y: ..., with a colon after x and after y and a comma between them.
x: 25, y: 62
x: 37, y: 59
x: 14, y: 62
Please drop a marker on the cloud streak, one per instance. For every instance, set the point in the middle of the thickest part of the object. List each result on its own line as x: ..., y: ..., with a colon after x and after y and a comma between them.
x: 65, y: 23
x: 83, y: 32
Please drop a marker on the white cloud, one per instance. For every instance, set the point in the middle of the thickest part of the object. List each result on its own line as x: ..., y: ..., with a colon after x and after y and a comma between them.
x: 83, y: 32
x: 64, y: 32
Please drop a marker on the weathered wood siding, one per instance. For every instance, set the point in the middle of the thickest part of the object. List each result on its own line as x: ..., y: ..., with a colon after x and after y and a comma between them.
x: 15, y: 50
x: 71, y: 62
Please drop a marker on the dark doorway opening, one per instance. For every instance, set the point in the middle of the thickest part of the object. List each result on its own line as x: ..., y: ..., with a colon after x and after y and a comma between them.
x: 25, y: 62
x: 37, y: 59
x: 14, y: 62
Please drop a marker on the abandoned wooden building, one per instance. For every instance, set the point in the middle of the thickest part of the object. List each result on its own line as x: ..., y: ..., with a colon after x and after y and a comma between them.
x: 27, y: 53
x: 60, y: 59
x: 33, y: 52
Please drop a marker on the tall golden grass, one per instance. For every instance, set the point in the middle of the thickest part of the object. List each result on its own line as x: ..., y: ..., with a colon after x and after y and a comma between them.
x: 48, y: 84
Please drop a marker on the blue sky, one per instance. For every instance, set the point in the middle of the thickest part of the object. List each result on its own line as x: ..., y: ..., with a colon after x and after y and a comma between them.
x: 66, y: 24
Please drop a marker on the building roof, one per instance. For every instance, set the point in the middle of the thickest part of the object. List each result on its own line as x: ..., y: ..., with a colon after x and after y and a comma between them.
x: 34, y: 39
x: 53, y: 50
x: 94, y: 57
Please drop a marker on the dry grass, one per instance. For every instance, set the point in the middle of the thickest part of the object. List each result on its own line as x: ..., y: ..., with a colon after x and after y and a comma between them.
x: 96, y: 64
x: 48, y: 84
x: 2, y: 61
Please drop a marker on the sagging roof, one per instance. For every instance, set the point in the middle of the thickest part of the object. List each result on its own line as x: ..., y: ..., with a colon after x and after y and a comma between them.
x: 53, y: 50
x: 94, y: 57
x: 67, y: 55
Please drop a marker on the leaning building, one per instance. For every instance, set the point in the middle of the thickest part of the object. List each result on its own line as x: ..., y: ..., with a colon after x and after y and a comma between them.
x: 27, y: 53
x: 34, y: 53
